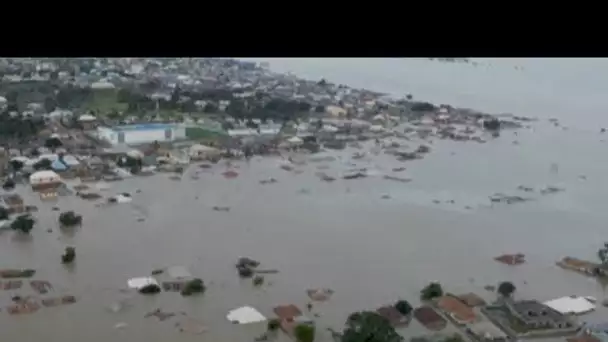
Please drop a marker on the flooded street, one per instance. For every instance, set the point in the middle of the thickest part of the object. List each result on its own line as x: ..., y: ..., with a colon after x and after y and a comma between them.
x: 341, y: 235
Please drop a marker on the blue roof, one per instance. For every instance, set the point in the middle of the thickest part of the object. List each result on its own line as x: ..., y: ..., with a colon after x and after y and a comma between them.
x: 58, y: 165
x: 144, y: 127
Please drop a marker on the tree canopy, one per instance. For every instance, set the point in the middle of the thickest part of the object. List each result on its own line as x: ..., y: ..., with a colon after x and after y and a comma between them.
x: 70, y: 218
x: 4, y: 214
x: 404, y: 307
x: 23, y: 223
x: 506, y: 289
x: 602, y: 254
x: 43, y: 164
x: 431, y: 291
x: 368, y: 326
x: 304, y: 333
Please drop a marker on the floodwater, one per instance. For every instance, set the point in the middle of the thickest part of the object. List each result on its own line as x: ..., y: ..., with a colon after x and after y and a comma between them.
x: 342, y: 235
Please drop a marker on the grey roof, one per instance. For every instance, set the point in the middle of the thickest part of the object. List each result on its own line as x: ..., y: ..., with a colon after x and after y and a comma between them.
x: 487, y: 329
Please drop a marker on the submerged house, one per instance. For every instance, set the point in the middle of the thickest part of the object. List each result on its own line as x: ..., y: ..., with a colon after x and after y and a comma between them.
x: 535, y: 315
x: 43, y: 180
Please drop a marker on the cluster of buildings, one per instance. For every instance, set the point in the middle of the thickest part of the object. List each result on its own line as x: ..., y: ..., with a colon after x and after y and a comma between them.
x: 512, y: 320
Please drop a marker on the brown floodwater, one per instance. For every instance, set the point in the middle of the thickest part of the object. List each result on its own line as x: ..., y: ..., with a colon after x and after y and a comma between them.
x: 342, y: 235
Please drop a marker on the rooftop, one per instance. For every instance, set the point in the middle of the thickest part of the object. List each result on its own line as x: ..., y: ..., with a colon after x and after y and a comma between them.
x: 143, y: 127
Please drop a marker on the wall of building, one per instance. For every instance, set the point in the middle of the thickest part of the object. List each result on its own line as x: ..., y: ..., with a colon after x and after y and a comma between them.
x: 141, y: 136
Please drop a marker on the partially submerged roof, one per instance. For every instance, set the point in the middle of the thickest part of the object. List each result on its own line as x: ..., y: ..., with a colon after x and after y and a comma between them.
x: 571, y: 305
x: 138, y: 283
x: 472, y: 300
x: 245, y: 315
x: 428, y: 317
x: 457, y: 309
x: 393, y: 316
x: 179, y: 272
x: 487, y: 330
x: 289, y: 311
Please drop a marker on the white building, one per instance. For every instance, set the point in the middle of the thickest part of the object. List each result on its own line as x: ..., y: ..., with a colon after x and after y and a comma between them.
x: 44, y: 179
x: 142, y: 133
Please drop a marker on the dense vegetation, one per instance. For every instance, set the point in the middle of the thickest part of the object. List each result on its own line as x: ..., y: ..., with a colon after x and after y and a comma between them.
x: 23, y: 223
x: 70, y: 218
x: 68, y: 255
x: 506, y: 289
x: 369, y: 326
x: 431, y: 291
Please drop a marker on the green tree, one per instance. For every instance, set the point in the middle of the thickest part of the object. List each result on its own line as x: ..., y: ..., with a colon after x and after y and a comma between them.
x: 9, y: 184
x: 70, y: 218
x: 304, y: 333
x: 431, y: 291
x: 16, y: 165
x: 210, y: 108
x: 404, y: 307
x: 23, y: 223
x: 368, y: 326
x: 4, y: 214
x: 506, y: 289
x: 43, y: 164
x: 602, y: 254
x: 454, y: 338
x: 273, y: 324
x: 68, y: 255
x: 53, y: 143
x: 193, y: 286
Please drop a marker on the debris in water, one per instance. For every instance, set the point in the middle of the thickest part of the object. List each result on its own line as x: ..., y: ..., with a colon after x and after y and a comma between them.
x: 502, y: 198
x: 12, y: 273
x: 525, y: 188
x: 550, y: 190
x: 511, y: 259
x: 355, y: 175
x: 161, y: 315
x: 398, y: 179
x: 268, y: 181
x: 325, y: 177
x: 258, y: 280
x: 24, y: 306
x: 41, y: 286
x: 224, y: 209
x: 398, y: 169
x: 191, y: 326
x: 158, y: 271
x: 64, y: 300
x: 11, y: 285
x: 320, y: 295
x: 230, y: 174
x: 246, y: 266
x: 120, y: 325
x: 386, y: 197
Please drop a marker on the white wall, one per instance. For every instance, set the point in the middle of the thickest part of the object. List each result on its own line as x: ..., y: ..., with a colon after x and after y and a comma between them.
x: 140, y: 136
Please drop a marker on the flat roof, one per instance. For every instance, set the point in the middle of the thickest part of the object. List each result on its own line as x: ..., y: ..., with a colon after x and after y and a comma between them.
x: 144, y: 127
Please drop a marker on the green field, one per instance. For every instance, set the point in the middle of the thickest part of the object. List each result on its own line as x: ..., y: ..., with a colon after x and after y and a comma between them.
x: 203, y: 133
x: 105, y: 101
